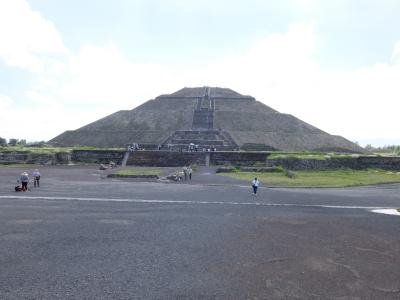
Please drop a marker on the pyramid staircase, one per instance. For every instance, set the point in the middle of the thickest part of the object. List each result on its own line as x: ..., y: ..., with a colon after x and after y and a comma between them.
x: 203, y: 117
x: 212, y: 138
x: 203, y: 133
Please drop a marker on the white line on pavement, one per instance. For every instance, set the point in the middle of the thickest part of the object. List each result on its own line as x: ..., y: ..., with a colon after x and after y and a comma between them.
x: 193, y: 202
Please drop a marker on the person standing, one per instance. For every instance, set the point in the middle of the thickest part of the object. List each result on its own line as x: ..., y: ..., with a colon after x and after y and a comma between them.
x: 36, y: 178
x: 255, y: 184
x: 24, y: 179
x: 190, y: 172
x: 185, y: 172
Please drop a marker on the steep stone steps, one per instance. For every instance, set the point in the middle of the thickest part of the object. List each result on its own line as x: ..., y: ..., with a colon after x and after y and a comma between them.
x: 125, y: 159
x: 203, y: 119
x: 203, y: 138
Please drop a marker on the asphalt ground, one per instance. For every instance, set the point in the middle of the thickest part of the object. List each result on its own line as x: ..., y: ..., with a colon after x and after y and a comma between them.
x: 81, y: 236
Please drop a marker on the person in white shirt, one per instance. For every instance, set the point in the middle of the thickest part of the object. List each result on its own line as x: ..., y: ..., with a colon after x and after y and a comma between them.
x: 255, y: 185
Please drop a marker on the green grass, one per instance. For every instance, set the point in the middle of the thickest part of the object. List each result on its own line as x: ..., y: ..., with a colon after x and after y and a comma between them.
x: 22, y: 166
x: 139, y: 172
x: 51, y: 150
x: 335, y: 178
x: 39, y: 150
x: 309, y: 155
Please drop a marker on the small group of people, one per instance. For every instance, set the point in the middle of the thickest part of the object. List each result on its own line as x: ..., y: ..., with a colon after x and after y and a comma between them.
x: 24, y: 180
x: 187, y: 172
x: 133, y: 147
x: 193, y: 148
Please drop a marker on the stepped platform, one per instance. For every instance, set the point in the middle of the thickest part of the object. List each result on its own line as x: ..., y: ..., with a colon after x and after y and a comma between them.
x: 203, y: 138
x: 209, y: 117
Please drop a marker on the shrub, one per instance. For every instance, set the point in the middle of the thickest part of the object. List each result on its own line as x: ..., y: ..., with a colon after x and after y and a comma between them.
x: 290, y: 174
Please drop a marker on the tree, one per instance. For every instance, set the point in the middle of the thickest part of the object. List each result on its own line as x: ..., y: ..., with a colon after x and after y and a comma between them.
x: 369, y: 147
x: 36, y: 144
x: 13, y: 142
x: 3, y: 142
x: 21, y: 142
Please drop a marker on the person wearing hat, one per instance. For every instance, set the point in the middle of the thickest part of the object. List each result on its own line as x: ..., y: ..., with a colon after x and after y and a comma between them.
x: 36, y: 177
x: 24, y: 179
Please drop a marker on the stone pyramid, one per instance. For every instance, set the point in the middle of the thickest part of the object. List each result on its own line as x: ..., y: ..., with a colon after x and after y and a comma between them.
x: 208, y: 117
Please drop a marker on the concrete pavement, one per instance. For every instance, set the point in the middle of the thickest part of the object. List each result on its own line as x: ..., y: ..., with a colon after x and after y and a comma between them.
x: 81, y: 236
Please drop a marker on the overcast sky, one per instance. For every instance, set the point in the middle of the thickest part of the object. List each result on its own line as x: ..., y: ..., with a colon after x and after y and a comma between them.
x: 334, y: 64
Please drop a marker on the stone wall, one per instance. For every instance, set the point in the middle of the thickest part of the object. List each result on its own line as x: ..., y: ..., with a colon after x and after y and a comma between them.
x: 166, y: 158
x: 97, y: 156
x: 362, y: 162
x: 174, y: 159
x: 25, y: 157
x: 238, y: 158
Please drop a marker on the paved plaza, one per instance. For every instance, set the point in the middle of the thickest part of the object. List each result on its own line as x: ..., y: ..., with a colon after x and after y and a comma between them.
x: 82, y: 236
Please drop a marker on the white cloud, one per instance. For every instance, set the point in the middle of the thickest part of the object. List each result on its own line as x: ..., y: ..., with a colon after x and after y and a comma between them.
x: 5, y: 102
x: 103, y: 75
x: 73, y: 89
x: 282, y: 71
x: 396, y: 53
x: 25, y: 36
x: 5, y: 105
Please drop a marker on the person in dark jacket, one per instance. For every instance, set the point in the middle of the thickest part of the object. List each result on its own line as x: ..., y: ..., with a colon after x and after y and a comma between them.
x: 24, y: 179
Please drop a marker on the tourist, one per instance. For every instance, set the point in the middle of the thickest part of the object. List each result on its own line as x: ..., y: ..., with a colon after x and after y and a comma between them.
x: 190, y: 172
x: 36, y: 177
x: 185, y: 172
x: 255, y: 185
x: 24, y: 179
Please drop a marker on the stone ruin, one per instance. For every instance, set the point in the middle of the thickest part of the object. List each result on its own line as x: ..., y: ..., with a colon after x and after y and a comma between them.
x: 209, y: 118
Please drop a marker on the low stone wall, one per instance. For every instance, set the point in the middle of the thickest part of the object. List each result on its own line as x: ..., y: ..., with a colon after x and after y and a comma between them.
x: 25, y: 157
x: 176, y: 159
x: 358, y: 163
x: 166, y: 159
x: 97, y: 156
x: 238, y: 158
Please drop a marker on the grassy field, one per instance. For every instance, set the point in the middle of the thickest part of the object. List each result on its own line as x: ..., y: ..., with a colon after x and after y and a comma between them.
x: 50, y: 150
x: 139, y: 172
x: 22, y: 166
x: 335, y: 178
x: 309, y: 155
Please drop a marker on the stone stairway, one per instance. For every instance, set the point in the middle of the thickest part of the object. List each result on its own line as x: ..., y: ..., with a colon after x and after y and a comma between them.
x: 203, y: 138
x: 203, y: 117
x: 125, y: 159
x: 203, y: 133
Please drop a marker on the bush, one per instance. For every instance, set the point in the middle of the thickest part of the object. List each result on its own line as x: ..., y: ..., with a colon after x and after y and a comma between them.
x: 226, y: 170
x: 13, y: 142
x: 290, y: 174
x: 262, y: 169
